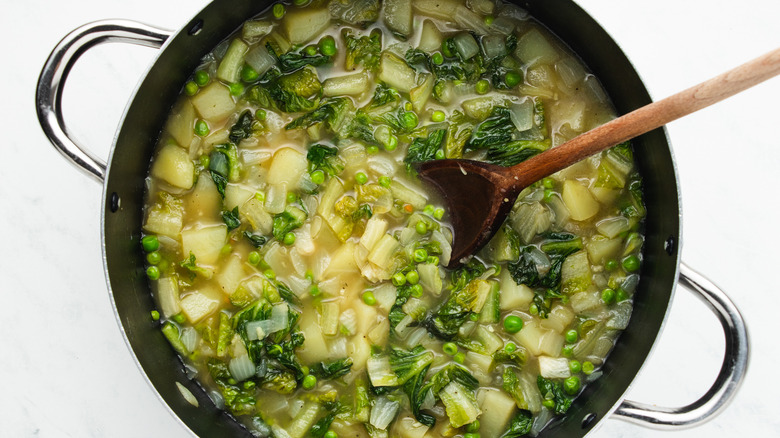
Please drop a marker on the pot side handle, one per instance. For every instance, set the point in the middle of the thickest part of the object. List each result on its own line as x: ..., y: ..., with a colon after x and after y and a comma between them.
x: 48, y: 93
x: 729, y: 378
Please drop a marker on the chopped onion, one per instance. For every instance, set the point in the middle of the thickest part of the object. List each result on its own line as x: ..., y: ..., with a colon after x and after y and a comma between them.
x: 348, y: 320
x: 554, y: 367
x: 621, y: 313
x: 259, y: 59
x: 522, y: 114
x: 541, y: 421
x: 470, y: 20
x: 493, y: 46
x: 217, y: 398
x: 613, y: 226
x: 466, y: 45
x: 383, y: 412
x: 189, y: 337
x: 570, y: 71
x: 415, y: 337
x: 444, y: 245
x: 241, y: 368
x: 503, y: 25
x: 187, y: 394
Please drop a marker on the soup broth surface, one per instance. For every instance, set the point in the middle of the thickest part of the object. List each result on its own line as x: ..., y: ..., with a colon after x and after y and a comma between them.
x: 298, y: 264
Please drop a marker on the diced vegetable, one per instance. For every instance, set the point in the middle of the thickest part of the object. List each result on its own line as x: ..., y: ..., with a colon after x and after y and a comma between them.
x: 302, y: 25
x: 229, y: 69
x: 214, y: 102
x: 398, y: 16
x: 395, y: 72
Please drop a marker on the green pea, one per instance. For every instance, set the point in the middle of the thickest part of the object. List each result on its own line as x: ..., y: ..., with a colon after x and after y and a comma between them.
x: 568, y: 350
x: 438, y: 116
x: 631, y: 263
x: 588, y: 367
x: 249, y: 384
x: 314, y: 291
x: 289, y: 239
x: 392, y: 143
x: 310, y: 381
x: 548, y: 183
x: 361, y: 178
x: 410, y: 120
x: 621, y: 295
x: 291, y: 198
x: 311, y: 50
x: 434, y: 260
x: 571, y: 336
x: 254, y: 258
x: 328, y: 46
x: 155, y: 315
x: 260, y: 196
x: 460, y: 357
x: 372, y: 150
x: 488, y: 20
x: 278, y: 10
x: 385, y: 181
x: 437, y: 58
x: 236, y: 88
x: 179, y: 318
x: 510, y: 347
x: 153, y: 272
x: 571, y: 385
x: 438, y: 214
x: 412, y: 277
x: 261, y: 115
x: 608, y: 296
x: 428, y: 209
x: 513, y: 323
x: 153, y: 257
x: 420, y: 255
x: 474, y: 317
x: 421, y: 227
x: 473, y: 427
x: 270, y: 274
x: 317, y: 177
x: 548, y: 195
x: 399, y: 279
x: 533, y: 309
x: 191, y: 88
x: 248, y: 74
x: 201, y: 78
x: 150, y: 243
x: 450, y: 348
x: 417, y: 290
x: 611, y: 265
x: 575, y: 366
x: 369, y: 298
x: 548, y: 403
x: 439, y: 155
x: 471, y: 435
x: 330, y: 434
x: 512, y: 78
x: 482, y: 86
x: 445, y: 48
x: 202, y: 128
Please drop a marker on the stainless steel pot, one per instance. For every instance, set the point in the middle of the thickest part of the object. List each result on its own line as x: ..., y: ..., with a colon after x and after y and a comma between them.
x: 179, y: 55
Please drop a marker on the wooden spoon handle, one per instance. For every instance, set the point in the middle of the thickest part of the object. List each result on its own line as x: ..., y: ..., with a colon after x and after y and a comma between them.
x: 648, y: 118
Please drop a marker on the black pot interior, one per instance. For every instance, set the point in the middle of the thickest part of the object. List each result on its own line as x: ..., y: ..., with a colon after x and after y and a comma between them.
x: 124, y: 193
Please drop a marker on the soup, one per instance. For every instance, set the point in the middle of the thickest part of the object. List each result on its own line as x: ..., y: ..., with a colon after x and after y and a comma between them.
x: 298, y: 265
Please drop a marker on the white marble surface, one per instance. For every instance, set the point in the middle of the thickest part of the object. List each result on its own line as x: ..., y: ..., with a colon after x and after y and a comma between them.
x: 66, y: 369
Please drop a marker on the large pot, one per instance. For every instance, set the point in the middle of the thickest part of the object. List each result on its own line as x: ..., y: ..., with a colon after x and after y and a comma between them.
x: 180, y: 54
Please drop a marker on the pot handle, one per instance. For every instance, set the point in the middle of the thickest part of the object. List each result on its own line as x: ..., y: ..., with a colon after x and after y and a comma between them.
x: 48, y: 93
x: 731, y: 374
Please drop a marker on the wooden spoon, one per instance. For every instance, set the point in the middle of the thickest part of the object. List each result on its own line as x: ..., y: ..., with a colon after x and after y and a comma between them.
x: 479, y: 196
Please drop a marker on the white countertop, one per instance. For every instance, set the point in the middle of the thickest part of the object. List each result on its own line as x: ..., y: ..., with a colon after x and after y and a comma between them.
x: 67, y: 370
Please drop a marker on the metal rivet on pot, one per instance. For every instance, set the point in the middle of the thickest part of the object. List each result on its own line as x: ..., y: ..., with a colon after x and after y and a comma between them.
x: 114, y: 203
x: 195, y: 28
x: 589, y: 420
x: 669, y: 245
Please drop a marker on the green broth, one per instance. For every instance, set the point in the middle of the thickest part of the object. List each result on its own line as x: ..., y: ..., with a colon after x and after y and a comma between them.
x: 299, y: 266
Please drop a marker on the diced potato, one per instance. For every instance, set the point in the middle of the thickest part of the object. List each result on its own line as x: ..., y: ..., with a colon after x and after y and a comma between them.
x: 181, y: 123
x: 359, y: 349
x: 408, y: 427
x: 558, y: 319
x: 173, y: 165
x: 575, y: 273
x: 396, y: 73
x: 600, y: 249
x: 231, y: 274
x: 430, y: 37
x: 253, y: 212
x: 398, y: 16
x: 579, y: 201
x: 379, y: 334
x: 443, y: 9
x: 301, y: 25
x: 539, y: 340
x: 314, y: 348
x: 497, y: 410
x: 236, y: 195
x: 165, y: 218
x: 199, y: 304
x: 342, y: 261
x: 514, y: 296
x: 533, y: 48
x: 287, y: 167
x: 205, y: 242
x: 214, y: 102
x: 204, y: 202
x: 350, y: 85
x: 584, y: 301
